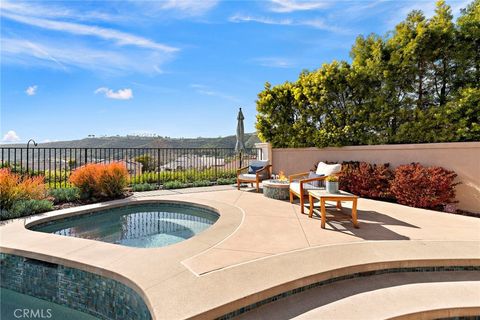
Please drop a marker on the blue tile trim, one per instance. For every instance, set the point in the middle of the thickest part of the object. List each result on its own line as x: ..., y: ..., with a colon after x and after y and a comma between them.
x: 87, y: 292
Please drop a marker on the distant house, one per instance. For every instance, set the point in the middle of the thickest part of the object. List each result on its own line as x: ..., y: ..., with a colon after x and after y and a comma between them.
x: 193, y: 161
x: 133, y: 167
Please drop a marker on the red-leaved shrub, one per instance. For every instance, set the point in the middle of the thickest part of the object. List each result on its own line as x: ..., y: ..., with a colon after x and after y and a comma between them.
x: 367, y: 180
x: 423, y: 187
x: 100, y: 180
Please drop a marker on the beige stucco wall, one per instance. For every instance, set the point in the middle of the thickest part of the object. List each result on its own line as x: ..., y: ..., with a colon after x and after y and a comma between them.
x: 461, y: 157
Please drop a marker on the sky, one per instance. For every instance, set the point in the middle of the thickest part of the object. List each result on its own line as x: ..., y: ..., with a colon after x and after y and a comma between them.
x: 176, y: 68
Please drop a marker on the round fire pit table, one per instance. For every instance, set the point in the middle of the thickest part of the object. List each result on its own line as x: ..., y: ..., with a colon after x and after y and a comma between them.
x: 276, y: 189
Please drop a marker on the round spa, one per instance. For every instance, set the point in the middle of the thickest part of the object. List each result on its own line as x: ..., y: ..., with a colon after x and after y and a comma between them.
x: 141, y: 225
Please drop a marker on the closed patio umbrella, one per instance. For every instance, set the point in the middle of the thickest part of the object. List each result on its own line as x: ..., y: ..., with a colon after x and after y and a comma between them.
x: 240, y: 145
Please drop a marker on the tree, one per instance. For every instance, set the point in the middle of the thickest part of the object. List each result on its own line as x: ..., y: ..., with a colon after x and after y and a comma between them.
x: 417, y: 84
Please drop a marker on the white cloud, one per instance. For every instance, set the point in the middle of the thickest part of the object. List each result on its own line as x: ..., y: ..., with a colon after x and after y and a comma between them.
x: 11, y: 136
x: 32, y: 90
x: 274, y: 62
x: 189, y: 7
x: 312, y: 23
x: 62, y: 51
x: 55, y: 11
x: 62, y: 55
x: 285, y: 6
x: 207, y: 91
x: 121, y: 94
x: 238, y: 18
x: 119, y: 37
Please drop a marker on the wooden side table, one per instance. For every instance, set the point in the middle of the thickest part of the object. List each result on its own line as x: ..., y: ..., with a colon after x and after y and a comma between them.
x: 323, y: 196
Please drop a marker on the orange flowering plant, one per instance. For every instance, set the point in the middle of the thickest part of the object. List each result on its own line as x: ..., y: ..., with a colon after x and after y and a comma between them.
x: 101, y: 180
x: 14, y: 187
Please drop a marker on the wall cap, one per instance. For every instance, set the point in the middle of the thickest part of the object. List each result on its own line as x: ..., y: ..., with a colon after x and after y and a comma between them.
x: 446, y: 145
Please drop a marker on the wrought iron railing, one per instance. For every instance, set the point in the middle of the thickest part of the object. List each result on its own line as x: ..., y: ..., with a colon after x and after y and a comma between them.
x: 145, y: 165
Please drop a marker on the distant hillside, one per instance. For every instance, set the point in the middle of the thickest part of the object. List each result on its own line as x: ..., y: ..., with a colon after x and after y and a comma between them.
x: 148, y: 142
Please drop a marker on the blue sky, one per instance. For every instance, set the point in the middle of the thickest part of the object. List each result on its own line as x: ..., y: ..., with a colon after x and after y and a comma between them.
x: 178, y: 68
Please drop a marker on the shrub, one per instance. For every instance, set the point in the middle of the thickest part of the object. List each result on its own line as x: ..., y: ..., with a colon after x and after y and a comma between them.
x: 423, y: 187
x: 189, y: 175
x: 113, y: 179
x: 100, y: 180
x: 14, y: 188
x: 201, y: 183
x: 143, y: 187
x: 367, y: 180
x: 148, y: 163
x: 87, y: 179
x: 174, y: 185
x: 65, y: 195
x: 28, y: 207
x: 221, y: 181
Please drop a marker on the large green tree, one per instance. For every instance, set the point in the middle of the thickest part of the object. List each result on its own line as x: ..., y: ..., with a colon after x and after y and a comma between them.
x: 417, y: 84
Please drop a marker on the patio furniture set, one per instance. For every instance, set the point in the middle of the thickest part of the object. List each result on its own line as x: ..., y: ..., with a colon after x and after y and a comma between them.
x: 305, y: 186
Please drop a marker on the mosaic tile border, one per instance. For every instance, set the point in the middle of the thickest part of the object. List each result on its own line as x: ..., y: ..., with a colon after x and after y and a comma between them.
x: 148, y: 206
x: 289, y: 293
x: 84, y: 291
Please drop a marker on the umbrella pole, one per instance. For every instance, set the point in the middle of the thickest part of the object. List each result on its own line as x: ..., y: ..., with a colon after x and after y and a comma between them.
x: 240, y: 155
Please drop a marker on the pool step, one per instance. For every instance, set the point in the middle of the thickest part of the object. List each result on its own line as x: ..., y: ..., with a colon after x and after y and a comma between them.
x: 415, y: 295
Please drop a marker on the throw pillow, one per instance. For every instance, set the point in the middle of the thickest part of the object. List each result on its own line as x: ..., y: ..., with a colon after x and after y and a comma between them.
x: 254, y: 169
x: 328, y: 169
x: 312, y: 174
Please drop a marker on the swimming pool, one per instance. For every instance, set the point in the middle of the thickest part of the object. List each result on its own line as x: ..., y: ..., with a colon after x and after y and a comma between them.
x: 143, y: 225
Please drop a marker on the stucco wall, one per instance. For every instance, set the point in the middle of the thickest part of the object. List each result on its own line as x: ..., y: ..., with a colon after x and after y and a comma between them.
x: 461, y: 157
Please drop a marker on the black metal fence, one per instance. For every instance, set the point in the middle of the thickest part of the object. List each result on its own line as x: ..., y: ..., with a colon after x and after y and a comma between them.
x: 145, y: 165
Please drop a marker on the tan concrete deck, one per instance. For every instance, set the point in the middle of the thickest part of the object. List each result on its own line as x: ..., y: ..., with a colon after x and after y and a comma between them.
x: 258, y: 248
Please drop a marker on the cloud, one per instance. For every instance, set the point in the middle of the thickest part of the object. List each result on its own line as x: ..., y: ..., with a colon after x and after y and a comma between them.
x: 55, y: 11
x: 121, y: 94
x: 286, y: 6
x: 274, y: 62
x: 32, y: 90
x: 207, y: 91
x: 11, y: 136
x: 312, y: 23
x: 75, y: 43
x: 63, y: 55
x: 238, y: 18
x: 189, y: 7
x: 119, y: 37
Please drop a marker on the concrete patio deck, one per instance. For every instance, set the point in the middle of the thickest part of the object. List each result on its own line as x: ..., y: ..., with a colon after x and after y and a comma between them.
x: 259, y: 247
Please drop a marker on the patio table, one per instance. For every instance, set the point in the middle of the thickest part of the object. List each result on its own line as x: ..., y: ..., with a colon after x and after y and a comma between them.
x: 323, y: 196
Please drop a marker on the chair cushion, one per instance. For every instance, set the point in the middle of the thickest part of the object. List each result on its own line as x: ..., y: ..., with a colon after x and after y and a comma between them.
x: 328, y: 169
x: 295, y: 187
x: 311, y: 175
x: 258, y: 163
x: 254, y: 169
x: 247, y: 176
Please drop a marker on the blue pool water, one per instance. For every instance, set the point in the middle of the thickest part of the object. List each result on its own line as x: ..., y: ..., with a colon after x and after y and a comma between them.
x: 143, y: 226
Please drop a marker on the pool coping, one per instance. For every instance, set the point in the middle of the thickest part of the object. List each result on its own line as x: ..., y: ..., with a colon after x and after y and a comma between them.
x: 230, y: 218
x: 207, y: 294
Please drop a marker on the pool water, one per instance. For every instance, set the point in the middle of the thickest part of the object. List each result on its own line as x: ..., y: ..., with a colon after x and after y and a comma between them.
x: 14, y: 305
x: 142, y: 226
